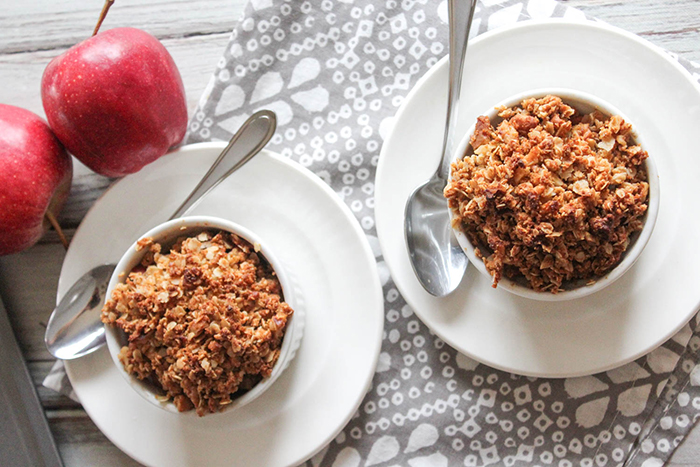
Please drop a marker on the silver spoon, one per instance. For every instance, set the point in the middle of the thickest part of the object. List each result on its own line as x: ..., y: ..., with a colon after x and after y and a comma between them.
x: 436, y: 257
x: 74, y: 328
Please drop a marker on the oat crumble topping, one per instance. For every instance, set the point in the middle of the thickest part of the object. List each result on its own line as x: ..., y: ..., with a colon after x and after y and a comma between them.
x: 205, y: 321
x: 550, y: 195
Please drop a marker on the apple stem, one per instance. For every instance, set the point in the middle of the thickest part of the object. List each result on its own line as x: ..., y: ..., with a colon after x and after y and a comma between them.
x: 56, y: 226
x: 103, y: 14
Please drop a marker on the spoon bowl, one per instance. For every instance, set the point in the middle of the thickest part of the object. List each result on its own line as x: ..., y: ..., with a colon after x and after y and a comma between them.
x: 433, y: 249
x: 75, y: 331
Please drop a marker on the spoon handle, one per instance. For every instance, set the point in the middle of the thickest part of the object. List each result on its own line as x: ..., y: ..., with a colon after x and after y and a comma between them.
x: 253, y: 135
x: 460, y: 14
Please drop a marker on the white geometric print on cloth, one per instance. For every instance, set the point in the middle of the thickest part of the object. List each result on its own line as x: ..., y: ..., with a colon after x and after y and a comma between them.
x: 335, y: 72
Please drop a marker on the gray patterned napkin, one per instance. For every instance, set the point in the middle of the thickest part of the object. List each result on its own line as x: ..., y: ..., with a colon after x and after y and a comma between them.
x: 334, y: 71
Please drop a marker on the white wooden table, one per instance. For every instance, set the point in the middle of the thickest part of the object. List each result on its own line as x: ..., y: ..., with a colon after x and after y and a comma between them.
x: 195, y: 32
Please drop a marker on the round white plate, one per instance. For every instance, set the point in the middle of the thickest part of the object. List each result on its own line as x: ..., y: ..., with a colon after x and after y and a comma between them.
x: 635, y: 314
x: 316, y: 235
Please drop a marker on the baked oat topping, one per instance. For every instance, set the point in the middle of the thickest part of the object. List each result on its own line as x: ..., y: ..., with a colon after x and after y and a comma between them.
x: 548, y: 194
x: 205, y: 321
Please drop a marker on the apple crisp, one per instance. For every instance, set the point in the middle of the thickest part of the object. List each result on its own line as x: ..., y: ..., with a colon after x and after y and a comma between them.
x: 549, y: 195
x: 204, y: 321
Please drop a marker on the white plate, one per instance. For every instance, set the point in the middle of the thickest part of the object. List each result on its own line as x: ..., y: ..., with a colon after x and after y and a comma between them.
x: 311, y: 229
x: 642, y: 309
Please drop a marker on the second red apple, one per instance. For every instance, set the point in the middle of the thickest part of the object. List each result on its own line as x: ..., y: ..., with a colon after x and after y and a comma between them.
x: 116, y: 101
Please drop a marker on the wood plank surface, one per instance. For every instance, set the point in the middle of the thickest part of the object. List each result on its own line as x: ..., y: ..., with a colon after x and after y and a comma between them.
x: 195, y: 33
x: 671, y: 24
x: 58, y: 24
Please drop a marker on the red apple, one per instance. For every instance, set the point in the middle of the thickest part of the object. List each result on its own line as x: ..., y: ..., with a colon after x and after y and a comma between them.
x: 116, y: 101
x: 35, y: 177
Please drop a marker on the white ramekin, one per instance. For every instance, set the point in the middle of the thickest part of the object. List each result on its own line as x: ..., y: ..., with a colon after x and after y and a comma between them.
x: 584, y: 103
x: 167, y: 233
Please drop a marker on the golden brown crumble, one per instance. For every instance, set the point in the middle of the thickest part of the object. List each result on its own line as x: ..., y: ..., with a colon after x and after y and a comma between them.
x: 205, y: 321
x: 549, y: 194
